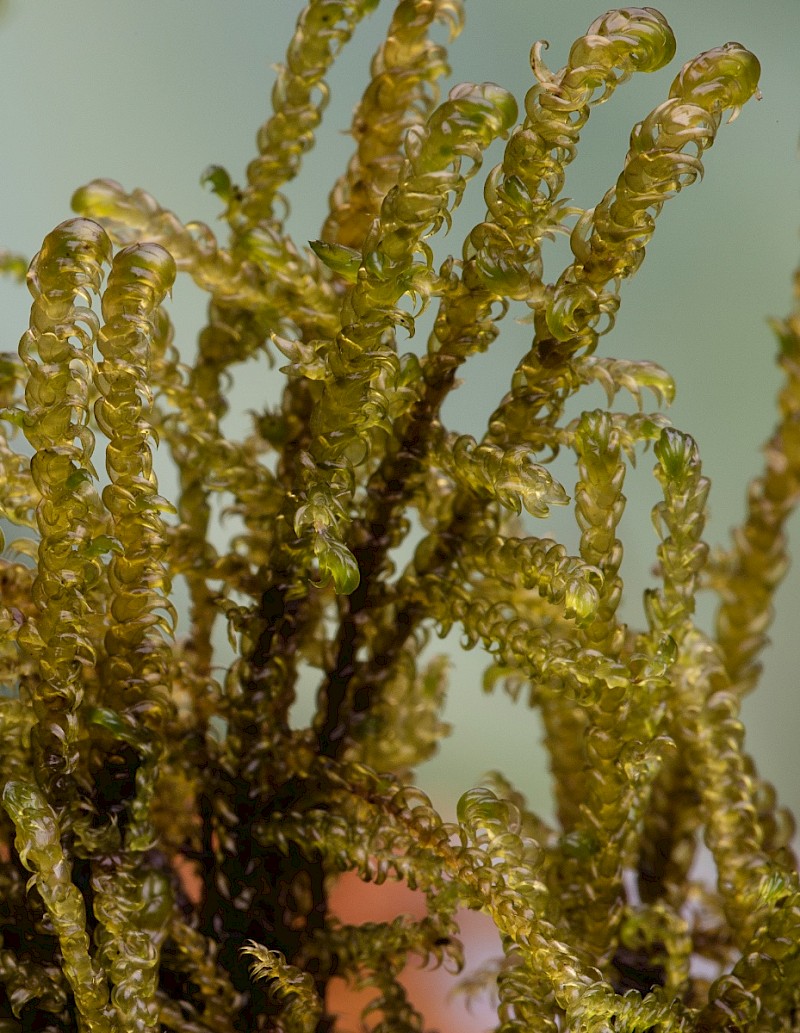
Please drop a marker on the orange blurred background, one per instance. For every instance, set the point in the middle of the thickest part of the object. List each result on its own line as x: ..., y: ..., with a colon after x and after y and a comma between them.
x: 431, y: 991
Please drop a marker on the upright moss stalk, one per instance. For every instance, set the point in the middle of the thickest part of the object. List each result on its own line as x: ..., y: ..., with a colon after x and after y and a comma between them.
x: 125, y: 761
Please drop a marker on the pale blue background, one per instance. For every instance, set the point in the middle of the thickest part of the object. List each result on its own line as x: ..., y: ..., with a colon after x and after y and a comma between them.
x: 151, y: 93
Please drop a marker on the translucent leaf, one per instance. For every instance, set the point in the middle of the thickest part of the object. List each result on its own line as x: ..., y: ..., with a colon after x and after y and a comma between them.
x: 25, y: 547
x: 103, y: 544
x: 113, y: 722
x: 76, y: 478
x: 345, y: 261
x: 218, y: 179
x: 336, y: 561
x: 581, y: 600
x: 616, y: 374
x: 509, y: 475
x: 15, y: 417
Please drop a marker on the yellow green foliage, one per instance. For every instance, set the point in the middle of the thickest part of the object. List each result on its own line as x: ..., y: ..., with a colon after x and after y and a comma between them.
x: 127, y: 755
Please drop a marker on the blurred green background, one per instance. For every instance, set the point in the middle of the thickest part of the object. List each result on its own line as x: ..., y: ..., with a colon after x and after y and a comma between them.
x: 151, y: 93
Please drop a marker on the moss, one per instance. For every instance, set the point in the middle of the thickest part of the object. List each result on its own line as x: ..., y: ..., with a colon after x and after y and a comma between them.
x: 125, y: 756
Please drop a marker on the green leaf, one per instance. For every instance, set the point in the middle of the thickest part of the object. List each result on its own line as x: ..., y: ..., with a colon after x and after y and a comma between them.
x: 579, y: 844
x: 345, y: 261
x: 338, y: 563
x: 77, y: 478
x: 218, y: 179
x: 288, y: 986
x: 102, y: 717
x: 102, y: 544
x: 13, y: 416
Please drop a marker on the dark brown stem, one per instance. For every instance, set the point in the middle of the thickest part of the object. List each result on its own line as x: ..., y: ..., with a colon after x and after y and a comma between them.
x: 387, y: 492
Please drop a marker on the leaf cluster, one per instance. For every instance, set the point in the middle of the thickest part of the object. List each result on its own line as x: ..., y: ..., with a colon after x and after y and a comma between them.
x: 161, y: 824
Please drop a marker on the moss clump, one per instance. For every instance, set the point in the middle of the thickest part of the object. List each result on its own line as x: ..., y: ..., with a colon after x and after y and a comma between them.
x: 124, y: 756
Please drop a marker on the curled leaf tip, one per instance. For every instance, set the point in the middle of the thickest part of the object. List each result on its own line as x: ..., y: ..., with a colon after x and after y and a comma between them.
x: 719, y: 79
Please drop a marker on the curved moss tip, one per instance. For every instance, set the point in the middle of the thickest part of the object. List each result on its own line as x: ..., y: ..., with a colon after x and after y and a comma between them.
x: 719, y: 79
